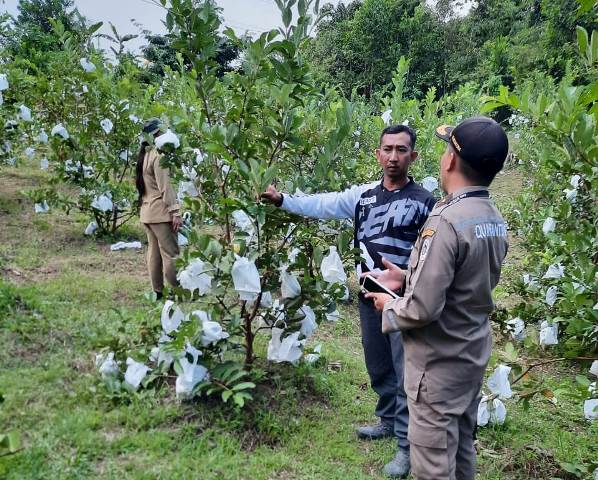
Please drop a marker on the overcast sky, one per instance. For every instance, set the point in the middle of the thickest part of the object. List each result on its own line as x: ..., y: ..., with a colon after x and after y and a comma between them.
x: 242, y: 15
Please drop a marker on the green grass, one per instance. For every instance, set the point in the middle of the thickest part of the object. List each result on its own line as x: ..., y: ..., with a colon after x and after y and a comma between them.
x: 64, y: 296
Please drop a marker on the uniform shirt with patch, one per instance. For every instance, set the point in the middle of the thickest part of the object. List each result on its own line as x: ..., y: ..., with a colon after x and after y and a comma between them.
x: 386, y: 222
x: 443, y: 315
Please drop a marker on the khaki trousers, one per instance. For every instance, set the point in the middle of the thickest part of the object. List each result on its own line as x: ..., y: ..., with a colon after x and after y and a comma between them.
x: 162, y: 250
x: 442, y: 434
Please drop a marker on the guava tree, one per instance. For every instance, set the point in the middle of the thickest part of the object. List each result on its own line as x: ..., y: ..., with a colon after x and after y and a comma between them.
x: 91, y: 114
x: 249, y: 267
x: 555, y: 314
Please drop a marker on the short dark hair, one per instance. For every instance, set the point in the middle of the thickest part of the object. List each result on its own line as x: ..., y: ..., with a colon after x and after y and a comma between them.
x: 475, y: 176
x: 392, y: 129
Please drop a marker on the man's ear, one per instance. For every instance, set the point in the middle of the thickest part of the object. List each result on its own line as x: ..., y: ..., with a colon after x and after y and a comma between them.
x: 453, y: 163
x: 414, y: 156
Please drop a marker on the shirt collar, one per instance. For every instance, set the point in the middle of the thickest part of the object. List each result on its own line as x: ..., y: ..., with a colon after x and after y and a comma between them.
x: 456, y: 193
x: 409, y: 180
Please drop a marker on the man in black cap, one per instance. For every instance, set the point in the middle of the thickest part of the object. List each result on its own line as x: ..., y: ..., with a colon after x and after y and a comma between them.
x: 443, y: 315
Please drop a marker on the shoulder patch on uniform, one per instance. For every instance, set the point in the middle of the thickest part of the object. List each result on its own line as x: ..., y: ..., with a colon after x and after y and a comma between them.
x: 428, y: 233
x: 424, y: 249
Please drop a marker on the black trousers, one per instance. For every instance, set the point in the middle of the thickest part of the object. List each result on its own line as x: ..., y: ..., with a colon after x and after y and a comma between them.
x: 385, y: 364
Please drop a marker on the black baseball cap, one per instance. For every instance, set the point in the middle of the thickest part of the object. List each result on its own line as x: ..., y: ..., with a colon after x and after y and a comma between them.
x: 151, y: 126
x: 479, y: 141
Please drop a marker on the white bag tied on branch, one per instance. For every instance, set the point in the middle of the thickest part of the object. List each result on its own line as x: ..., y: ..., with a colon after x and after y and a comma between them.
x: 570, y: 194
x: 498, y: 382
x: 494, y: 414
x: 168, y: 138
x: 181, y: 240
x: 44, y: 164
x: 135, y: 373
x: 387, y: 117
x: 193, y: 374
x: 3, y: 82
x: 211, y: 332
x: 107, y: 365
x: 313, y: 357
x: 189, y: 172
x: 286, y: 350
x: 483, y: 413
x: 517, y: 328
x: 29, y: 152
x: 187, y: 189
x: 87, y: 65
x: 549, y: 333
x: 243, y: 222
x: 91, y: 227
x: 42, y: 207
x: 430, y: 184
x: 556, y: 270
x: 594, y: 368
x: 266, y: 300
x: 332, y: 267
x: 159, y: 356
x: 334, y: 316
x: 106, y: 125
x: 498, y: 414
x: 60, y: 130
x: 590, y: 409
x: 308, y: 324
x: 246, y: 279
x: 551, y: 294
x: 529, y: 280
x: 289, y: 285
x: 199, y: 156
x: 549, y: 225
x: 194, y: 277
x: 25, y: 114
x: 103, y: 202
x: 171, y: 322
x: 292, y: 256
x: 574, y: 181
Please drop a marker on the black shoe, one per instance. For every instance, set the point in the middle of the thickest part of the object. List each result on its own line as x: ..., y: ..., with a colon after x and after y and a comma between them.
x: 159, y: 295
x: 399, y: 466
x: 374, y: 432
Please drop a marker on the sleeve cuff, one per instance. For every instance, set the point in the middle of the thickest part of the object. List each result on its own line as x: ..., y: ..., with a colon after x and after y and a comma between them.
x: 390, y: 318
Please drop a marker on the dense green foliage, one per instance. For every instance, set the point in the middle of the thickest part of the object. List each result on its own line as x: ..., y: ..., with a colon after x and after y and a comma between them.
x: 558, y: 212
x: 497, y: 42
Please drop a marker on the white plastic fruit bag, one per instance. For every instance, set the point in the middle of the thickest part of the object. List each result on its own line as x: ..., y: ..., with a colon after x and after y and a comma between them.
x: 549, y: 333
x: 285, y: 350
x: 171, y: 318
x: 498, y: 382
x: 195, y: 277
x: 192, y: 373
x: 135, y: 373
x: 246, y: 279
x: 308, y: 324
x: 289, y: 285
x: 332, y: 267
